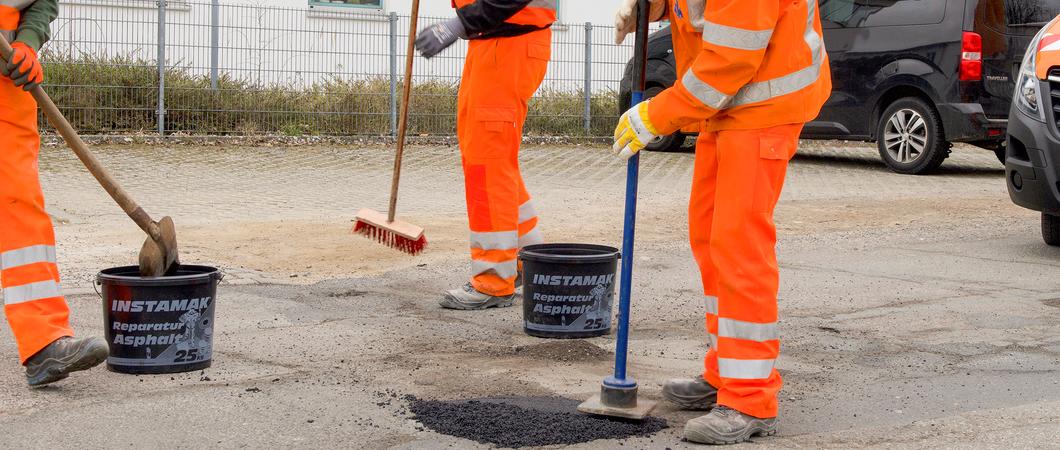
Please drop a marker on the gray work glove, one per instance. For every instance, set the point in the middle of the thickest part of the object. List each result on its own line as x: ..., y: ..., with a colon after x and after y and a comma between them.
x: 435, y: 38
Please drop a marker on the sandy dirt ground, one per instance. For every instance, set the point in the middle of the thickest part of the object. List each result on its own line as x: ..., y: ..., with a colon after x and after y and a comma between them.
x: 916, y: 311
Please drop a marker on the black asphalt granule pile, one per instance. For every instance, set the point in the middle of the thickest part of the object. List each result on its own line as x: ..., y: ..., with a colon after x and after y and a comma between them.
x: 513, y: 422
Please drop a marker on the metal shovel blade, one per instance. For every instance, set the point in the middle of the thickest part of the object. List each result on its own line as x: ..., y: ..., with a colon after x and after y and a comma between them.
x: 157, y: 258
x: 595, y: 405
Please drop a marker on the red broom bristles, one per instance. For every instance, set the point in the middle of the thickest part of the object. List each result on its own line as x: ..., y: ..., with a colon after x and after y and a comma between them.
x: 391, y: 239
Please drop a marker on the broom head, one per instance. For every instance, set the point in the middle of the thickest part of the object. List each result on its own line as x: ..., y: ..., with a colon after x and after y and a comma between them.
x: 399, y: 235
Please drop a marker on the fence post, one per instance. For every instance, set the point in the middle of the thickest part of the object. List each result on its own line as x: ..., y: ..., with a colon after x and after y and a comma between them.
x: 162, y: 67
x: 588, y: 88
x: 215, y: 18
x: 393, y: 73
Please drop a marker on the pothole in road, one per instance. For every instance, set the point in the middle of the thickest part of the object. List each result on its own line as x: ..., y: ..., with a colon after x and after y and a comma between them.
x: 566, y: 350
x: 513, y: 422
x: 1054, y: 302
x: 347, y: 294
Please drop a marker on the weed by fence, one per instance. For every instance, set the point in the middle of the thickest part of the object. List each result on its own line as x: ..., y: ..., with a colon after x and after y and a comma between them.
x: 110, y: 96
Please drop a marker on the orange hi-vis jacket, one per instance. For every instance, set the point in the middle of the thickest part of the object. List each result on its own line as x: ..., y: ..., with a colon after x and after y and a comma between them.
x: 504, y: 18
x: 759, y: 64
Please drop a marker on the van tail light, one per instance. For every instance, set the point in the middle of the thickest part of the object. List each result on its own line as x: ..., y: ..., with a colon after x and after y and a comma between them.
x: 971, y: 57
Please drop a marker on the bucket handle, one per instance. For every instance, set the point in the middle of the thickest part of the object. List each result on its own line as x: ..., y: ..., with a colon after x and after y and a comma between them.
x: 95, y: 287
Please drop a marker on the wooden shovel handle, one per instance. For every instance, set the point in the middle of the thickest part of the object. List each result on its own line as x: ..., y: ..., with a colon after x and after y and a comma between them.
x: 403, y: 123
x: 95, y: 167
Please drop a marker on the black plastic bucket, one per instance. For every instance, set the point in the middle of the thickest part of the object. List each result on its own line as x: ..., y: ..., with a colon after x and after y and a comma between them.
x: 159, y: 325
x: 568, y: 289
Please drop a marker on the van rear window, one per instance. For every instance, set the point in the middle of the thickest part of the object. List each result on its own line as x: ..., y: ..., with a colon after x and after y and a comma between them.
x: 1030, y: 13
x: 881, y: 13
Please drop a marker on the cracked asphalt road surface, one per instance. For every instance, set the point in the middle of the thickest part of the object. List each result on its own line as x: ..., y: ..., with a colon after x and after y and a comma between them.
x: 916, y: 311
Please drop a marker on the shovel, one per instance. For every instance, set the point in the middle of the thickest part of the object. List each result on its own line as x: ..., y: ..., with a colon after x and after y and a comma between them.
x: 158, y: 256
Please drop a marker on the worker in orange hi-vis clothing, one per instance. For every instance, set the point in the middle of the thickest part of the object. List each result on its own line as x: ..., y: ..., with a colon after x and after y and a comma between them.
x: 753, y: 73
x: 508, y: 52
x: 33, y: 303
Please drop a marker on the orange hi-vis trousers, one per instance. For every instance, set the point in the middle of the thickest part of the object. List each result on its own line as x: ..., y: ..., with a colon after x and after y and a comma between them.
x: 500, y: 76
x: 33, y: 302
x: 737, y: 181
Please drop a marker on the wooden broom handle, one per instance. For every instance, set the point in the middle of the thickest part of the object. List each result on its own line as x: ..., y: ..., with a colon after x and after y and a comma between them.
x: 403, y: 122
x: 95, y: 167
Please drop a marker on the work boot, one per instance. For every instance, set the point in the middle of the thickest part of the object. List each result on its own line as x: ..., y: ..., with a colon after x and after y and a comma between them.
x: 469, y: 298
x: 725, y: 425
x: 64, y: 356
x: 690, y: 393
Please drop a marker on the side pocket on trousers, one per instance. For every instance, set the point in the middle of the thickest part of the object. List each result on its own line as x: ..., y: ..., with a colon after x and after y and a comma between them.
x: 495, y: 119
x: 774, y: 152
x: 539, y: 50
x: 497, y: 127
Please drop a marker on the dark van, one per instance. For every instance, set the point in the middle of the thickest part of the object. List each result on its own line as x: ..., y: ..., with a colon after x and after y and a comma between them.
x: 912, y: 75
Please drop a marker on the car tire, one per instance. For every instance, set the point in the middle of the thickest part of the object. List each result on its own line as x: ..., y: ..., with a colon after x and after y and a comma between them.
x: 672, y: 143
x: 910, y: 138
x: 1051, y: 229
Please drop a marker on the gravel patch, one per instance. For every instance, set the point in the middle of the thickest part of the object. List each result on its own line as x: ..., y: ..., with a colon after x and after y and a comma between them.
x: 513, y: 422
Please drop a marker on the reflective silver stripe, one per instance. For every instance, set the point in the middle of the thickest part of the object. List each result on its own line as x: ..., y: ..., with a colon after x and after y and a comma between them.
x: 705, y: 93
x: 712, y: 304
x: 737, y: 38
x: 27, y: 255
x: 759, y: 332
x: 527, y: 211
x: 745, y: 369
x: 547, y: 4
x: 30, y: 292
x: 793, y: 82
x: 713, y: 340
x: 505, y: 269
x: 496, y: 240
x: 533, y: 237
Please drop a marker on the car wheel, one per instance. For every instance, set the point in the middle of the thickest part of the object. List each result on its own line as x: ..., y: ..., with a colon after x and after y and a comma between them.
x: 909, y: 137
x: 1051, y: 229
x: 672, y: 143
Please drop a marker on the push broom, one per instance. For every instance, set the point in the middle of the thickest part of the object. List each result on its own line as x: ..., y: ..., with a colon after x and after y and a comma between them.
x: 618, y: 393
x: 385, y: 228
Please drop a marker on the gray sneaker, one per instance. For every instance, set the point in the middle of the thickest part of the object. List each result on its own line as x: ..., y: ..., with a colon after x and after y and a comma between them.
x: 64, y: 356
x: 725, y: 425
x: 468, y: 298
x: 690, y: 393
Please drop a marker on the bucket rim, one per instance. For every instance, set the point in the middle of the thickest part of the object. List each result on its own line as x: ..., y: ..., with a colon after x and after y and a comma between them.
x: 540, y: 253
x: 200, y: 274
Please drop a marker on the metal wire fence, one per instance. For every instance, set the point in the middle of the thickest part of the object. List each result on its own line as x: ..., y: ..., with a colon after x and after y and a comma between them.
x: 219, y: 68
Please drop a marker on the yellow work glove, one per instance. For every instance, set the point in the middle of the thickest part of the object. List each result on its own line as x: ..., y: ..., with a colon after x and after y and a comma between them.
x: 634, y: 131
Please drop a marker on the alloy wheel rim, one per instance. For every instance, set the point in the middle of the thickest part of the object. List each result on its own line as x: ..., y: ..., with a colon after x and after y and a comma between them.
x: 905, y: 136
